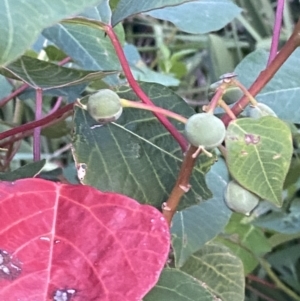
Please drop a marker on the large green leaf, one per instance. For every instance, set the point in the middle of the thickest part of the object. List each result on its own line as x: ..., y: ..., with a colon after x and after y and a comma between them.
x: 196, y: 225
x: 136, y: 156
x: 21, y: 21
x: 282, y: 94
x: 203, y: 16
x: 221, y: 271
x: 176, y: 285
x: 88, y: 46
x: 245, y: 241
x: 41, y: 74
x: 259, y: 152
x: 126, y: 8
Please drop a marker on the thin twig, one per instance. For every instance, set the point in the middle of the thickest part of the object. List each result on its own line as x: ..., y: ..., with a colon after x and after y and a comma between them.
x: 276, y: 30
x: 37, y: 130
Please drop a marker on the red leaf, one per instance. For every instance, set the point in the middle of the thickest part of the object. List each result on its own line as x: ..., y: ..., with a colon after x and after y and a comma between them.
x: 71, y: 242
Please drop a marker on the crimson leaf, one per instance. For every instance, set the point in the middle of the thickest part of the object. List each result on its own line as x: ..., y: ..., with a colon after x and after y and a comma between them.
x: 72, y: 242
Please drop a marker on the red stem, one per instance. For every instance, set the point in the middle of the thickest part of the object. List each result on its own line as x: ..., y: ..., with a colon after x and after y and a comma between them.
x: 31, y: 125
x: 12, y: 95
x: 37, y: 130
x: 137, y: 89
x: 266, y: 75
x: 276, y: 30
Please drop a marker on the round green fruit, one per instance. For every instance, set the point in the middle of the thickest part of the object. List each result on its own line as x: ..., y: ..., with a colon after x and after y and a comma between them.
x: 261, y: 110
x: 232, y: 95
x: 239, y: 199
x: 104, y: 106
x: 204, y: 129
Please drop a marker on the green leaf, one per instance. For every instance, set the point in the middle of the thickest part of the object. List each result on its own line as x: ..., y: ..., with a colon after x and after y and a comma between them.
x: 136, y: 156
x: 203, y: 16
x: 176, y: 285
x: 259, y: 155
x: 21, y: 21
x: 282, y: 93
x: 282, y: 222
x: 87, y: 45
x: 101, y: 12
x: 245, y: 241
x: 126, y: 8
x: 27, y: 171
x: 194, y: 226
x: 220, y: 271
x: 286, y: 263
x: 41, y: 74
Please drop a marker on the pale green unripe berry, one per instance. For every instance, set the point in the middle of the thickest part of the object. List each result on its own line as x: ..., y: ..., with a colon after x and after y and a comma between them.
x: 232, y: 95
x: 239, y: 199
x: 104, y: 106
x: 206, y: 130
x: 261, y: 110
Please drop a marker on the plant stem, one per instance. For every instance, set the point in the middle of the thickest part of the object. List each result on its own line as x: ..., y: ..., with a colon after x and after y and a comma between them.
x: 266, y: 75
x: 37, y: 130
x: 138, y: 105
x: 277, y: 281
x: 12, y: 95
x: 137, y: 89
x: 41, y: 122
x: 276, y: 30
x: 182, y: 184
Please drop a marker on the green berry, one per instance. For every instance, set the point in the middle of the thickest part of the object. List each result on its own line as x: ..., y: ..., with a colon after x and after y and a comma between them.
x: 261, y: 110
x: 232, y: 95
x: 104, y: 106
x: 204, y: 129
x: 239, y: 199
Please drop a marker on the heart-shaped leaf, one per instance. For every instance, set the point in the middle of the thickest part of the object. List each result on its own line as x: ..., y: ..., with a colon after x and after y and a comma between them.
x: 63, y: 242
x: 259, y: 155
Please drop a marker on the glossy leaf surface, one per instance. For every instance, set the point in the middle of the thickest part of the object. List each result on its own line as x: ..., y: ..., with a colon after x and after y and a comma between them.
x: 60, y: 239
x: 259, y: 155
